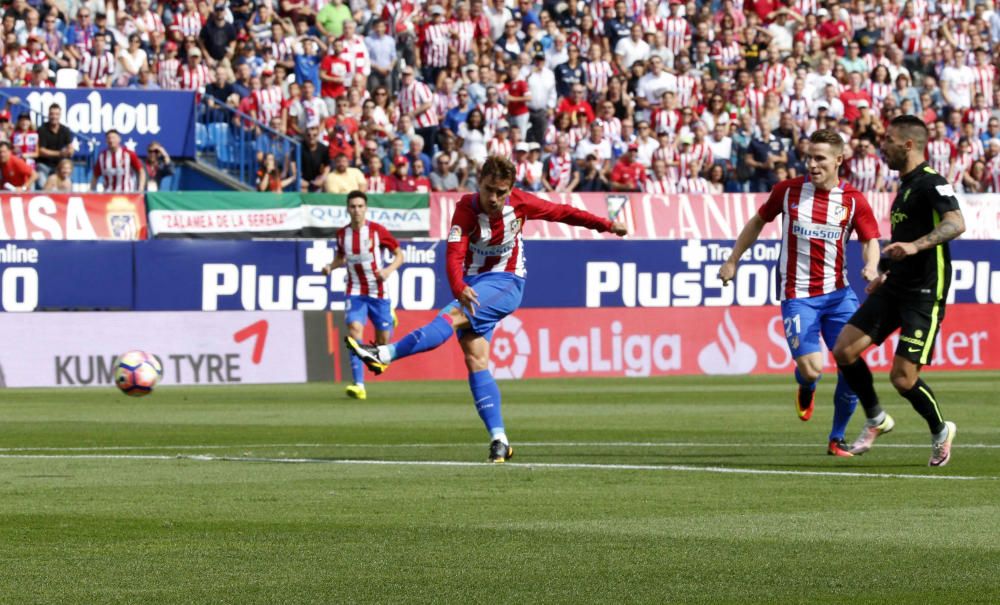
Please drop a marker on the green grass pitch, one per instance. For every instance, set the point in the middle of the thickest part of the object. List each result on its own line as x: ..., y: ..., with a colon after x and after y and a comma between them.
x: 667, y: 490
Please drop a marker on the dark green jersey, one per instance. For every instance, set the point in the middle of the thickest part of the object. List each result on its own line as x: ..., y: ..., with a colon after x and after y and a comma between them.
x: 923, y: 198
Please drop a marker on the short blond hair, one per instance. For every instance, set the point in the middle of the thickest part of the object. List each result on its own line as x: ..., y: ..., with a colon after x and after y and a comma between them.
x: 830, y: 137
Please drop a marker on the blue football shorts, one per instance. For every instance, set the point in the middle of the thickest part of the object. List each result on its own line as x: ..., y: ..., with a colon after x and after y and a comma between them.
x: 362, y: 308
x: 499, y: 295
x: 805, y: 319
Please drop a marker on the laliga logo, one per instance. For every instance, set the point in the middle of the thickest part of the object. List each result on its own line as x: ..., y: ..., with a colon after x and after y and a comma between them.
x: 511, y: 348
x: 729, y: 355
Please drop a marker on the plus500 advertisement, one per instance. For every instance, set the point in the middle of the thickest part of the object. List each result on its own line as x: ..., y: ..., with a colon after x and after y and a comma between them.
x: 233, y: 275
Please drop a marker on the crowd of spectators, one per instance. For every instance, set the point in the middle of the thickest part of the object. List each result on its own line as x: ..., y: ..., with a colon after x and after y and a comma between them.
x: 659, y: 96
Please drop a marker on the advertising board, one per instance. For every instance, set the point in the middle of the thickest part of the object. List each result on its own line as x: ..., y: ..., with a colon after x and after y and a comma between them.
x: 79, y: 349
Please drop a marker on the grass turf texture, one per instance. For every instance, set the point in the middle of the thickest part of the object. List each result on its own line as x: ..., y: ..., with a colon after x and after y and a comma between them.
x: 183, y: 530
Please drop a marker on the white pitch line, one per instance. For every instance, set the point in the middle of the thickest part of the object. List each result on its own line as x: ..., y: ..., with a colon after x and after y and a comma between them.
x: 538, y: 465
x: 624, y: 444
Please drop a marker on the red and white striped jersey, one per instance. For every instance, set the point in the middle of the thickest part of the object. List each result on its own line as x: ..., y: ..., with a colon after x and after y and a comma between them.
x: 919, y: 8
x: 805, y: 7
x: 362, y: 249
x: 977, y: 149
x: 436, y: 42
x: 283, y: 50
x: 755, y: 99
x: 863, y: 172
x: 666, y: 120
x: 118, y: 170
x: 879, y: 91
x: 816, y: 225
x: 986, y: 76
x: 597, y: 75
x: 98, y: 68
x: 193, y: 78
x: 465, y: 33
x: 144, y: 24
x: 652, y: 23
x: 502, y: 148
x: 413, y: 96
x: 29, y: 60
x: 482, y: 243
x: 912, y: 31
x: 775, y: 76
x: 612, y: 128
x: 962, y: 165
x: 697, y: 153
x: 727, y: 55
x: 678, y: 34
x: 166, y: 74
x: 992, y: 176
x: 560, y: 170
x: 492, y: 114
x: 444, y: 102
x: 399, y: 15
x: 799, y: 107
x: 662, y: 185
x: 979, y: 118
x: 528, y: 172
x: 695, y: 184
x: 871, y: 62
x: 189, y: 24
x: 375, y: 184
x: 267, y: 102
x: 940, y: 154
x: 25, y: 143
x: 356, y: 54
x: 688, y: 90
x: 949, y: 9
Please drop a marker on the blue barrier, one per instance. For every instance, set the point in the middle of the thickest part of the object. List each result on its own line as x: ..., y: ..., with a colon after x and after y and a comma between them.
x: 233, y: 140
x: 276, y: 275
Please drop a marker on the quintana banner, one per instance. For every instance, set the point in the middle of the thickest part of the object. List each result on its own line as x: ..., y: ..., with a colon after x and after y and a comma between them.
x: 231, y: 214
x: 84, y: 216
x: 696, y: 216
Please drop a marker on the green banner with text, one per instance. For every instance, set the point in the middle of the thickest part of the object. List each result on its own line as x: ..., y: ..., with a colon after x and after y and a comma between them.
x: 237, y: 214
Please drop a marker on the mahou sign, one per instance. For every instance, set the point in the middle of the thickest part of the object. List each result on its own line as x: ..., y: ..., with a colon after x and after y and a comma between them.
x: 72, y: 217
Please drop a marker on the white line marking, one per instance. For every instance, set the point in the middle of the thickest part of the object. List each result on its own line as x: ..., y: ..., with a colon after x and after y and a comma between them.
x: 624, y: 444
x: 539, y: 465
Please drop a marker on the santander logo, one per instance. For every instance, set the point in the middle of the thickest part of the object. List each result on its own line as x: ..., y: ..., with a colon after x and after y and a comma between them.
x: 511, y: 349
x: 728, y: 354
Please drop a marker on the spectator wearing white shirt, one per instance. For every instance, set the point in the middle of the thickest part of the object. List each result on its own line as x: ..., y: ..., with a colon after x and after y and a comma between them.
x: 646, y: 143
x: 651, y: 87
x: 631, y: 49
x: 957, y: 80
x: 596, y: 144
x: 721, y: 143
x: 542, y: 90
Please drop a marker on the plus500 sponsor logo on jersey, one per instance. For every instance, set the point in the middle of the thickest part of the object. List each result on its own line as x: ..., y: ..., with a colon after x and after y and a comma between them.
x: 613, y: 283
x: 412, y: 287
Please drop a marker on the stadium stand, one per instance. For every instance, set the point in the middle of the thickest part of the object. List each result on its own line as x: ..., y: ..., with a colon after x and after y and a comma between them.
x: 720, y: 92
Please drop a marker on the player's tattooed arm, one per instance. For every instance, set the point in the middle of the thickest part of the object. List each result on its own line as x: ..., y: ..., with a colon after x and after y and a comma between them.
x: 951, y: 226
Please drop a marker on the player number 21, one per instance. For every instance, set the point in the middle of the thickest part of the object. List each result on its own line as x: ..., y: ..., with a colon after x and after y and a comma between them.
x: 792, y: 326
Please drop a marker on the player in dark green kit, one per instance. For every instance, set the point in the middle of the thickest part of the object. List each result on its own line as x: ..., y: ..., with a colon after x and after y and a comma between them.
x: 909, y: 294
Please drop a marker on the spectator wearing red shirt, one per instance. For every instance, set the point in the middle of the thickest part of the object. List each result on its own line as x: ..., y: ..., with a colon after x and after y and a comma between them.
x: 333, y: 71
x: 516, y: 92
x: 854, y: 97
x: 15, y: 173
x: 833, y: 31
x: 628, y: 174
x: 575, y: 104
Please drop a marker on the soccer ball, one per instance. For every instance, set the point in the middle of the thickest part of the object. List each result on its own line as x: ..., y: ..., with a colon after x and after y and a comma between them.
x: 137, y: 373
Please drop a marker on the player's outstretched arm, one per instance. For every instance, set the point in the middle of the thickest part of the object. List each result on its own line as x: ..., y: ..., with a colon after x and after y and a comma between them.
x: 951, y: 226
x: 536, y: 208
x: 870, y: 255
x: 749, y: 234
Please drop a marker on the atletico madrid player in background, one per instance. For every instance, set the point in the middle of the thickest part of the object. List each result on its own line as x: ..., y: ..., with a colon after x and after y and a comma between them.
x: 359, y: 248
x: 485, y: 264
x: 819, y: 213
